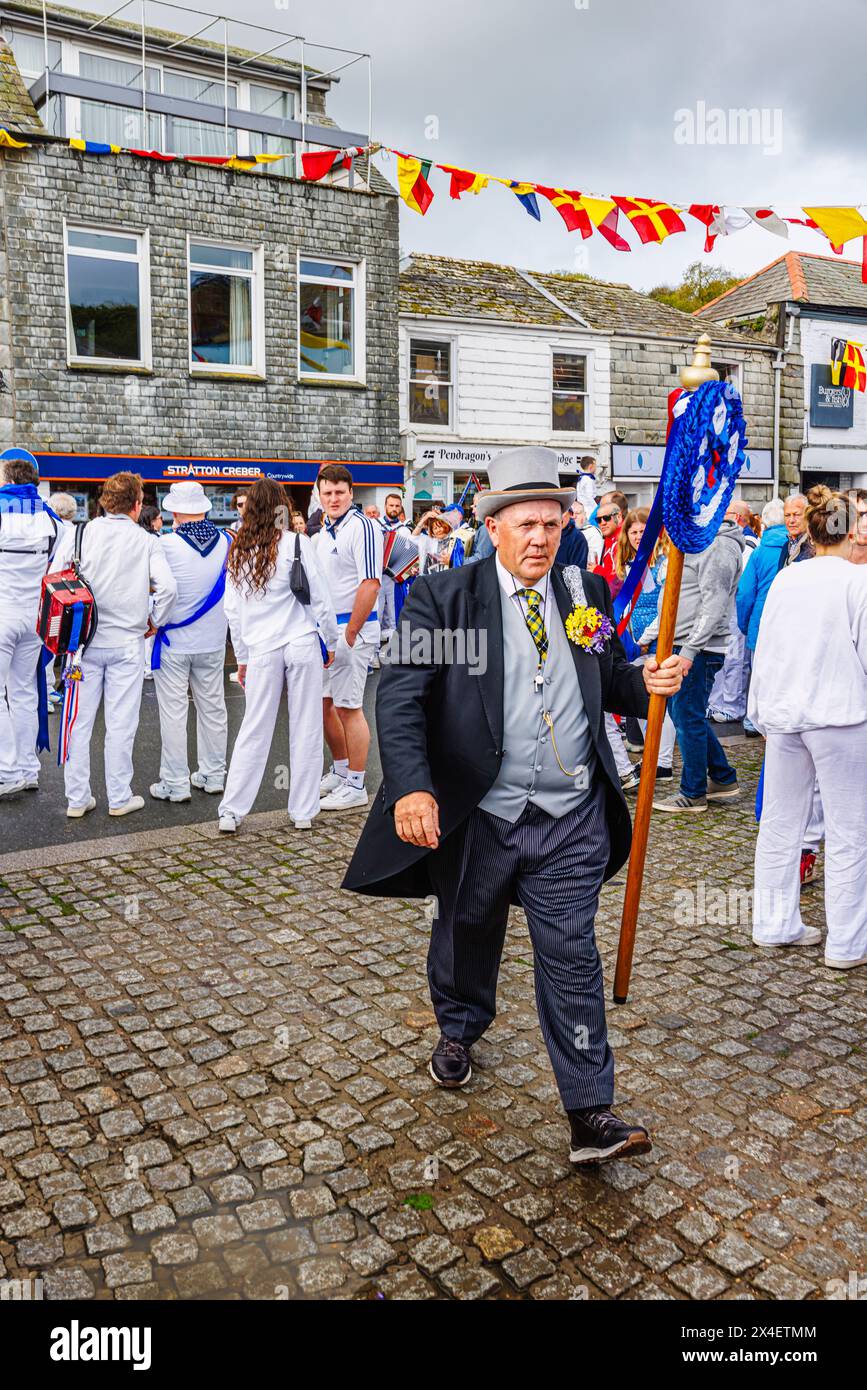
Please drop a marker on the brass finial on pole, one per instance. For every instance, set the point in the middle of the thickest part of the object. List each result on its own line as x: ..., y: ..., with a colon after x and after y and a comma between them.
x: 691, y: 377
x: 700, y: 370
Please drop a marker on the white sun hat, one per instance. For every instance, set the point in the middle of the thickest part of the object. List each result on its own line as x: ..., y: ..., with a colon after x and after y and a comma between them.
x: 187, y: 498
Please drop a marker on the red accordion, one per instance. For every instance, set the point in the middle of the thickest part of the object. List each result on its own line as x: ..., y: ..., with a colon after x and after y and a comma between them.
x: 67, y: 613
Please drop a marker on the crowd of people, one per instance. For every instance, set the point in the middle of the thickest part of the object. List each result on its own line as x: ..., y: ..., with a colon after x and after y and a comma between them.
x: 765, y: 634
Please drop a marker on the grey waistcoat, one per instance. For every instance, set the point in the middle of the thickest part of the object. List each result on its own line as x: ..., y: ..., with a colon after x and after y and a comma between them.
x: 529, y: 771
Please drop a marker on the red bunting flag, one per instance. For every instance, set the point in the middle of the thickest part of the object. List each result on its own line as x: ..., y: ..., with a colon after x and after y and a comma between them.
x: 652, y: 221
x: 706, y: 213
x: 319, y: 163
x: 464, y: 180
x: 570, y: 208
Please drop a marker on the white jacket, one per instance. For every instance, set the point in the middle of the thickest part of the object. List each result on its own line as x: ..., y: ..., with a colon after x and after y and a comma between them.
x: 195, y: 576
x: 268, y: 619
x: 810, y: 664
x: 28, y: 550
x: 128, y: 573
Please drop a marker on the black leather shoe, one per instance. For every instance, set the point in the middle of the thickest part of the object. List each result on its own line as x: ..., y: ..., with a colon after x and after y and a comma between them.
x: 597, y: 1136
x: 450, y: 1063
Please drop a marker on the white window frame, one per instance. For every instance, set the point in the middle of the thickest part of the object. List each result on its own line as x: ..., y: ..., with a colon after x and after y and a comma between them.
x: 421, y: 427
x: 257, y: 308
x: 560, y: 350
x: 142, y: 259
x: 359, y: 316
x: 736, y: 367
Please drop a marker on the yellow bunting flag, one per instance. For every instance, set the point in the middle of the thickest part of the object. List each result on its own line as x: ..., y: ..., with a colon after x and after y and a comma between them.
x: 10, y: 142
x: 839, y: 224
x: 412, y: 178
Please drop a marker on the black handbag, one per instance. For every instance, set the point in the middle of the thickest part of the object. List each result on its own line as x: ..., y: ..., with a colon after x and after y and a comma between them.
x: 298, y: 581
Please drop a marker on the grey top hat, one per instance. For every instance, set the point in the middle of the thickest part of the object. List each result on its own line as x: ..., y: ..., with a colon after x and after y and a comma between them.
x: 523, y: 475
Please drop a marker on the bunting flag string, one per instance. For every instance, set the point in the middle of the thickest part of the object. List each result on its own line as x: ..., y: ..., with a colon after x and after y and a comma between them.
x: 651, y: 221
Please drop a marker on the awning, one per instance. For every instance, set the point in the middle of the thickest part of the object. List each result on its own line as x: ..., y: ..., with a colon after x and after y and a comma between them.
x: 95, y: 468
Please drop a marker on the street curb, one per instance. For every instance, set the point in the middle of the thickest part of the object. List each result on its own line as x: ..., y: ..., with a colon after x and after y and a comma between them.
x: 50, y: 855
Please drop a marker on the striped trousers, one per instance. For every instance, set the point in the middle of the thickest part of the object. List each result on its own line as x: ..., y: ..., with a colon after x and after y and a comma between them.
x: 554, y: 868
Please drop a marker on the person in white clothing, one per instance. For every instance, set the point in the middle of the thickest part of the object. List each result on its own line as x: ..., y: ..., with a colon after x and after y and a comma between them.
x: 349, y: 551
x: 591, y: 534
x: 190, y: 651
x: 390, y: 522
x: 134, y: 591
x: 276, y: 637
x: 29, y: 540
x: 808, y: 697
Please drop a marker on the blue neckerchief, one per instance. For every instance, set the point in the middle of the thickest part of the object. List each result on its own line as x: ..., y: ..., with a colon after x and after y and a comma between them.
x: 202, y: 536
x: 331, y: 526
x: 15, y: 498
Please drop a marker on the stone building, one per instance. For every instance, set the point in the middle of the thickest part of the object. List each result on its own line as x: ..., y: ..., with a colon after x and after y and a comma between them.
x: 182, y: 318
x: 493, y: 357
x: 799, y: 303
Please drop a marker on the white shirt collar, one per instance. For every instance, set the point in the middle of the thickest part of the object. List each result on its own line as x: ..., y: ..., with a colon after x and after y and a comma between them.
x: 510, y: 584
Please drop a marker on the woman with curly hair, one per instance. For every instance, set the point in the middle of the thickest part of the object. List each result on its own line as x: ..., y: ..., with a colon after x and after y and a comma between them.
x: 808, y: 697
x: 276, y: 630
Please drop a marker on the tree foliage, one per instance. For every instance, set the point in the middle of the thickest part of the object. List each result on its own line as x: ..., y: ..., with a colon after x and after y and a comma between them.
x: 700, y: 284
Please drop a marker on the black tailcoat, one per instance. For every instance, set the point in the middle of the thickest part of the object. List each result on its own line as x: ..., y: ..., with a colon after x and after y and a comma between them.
x: 440, y: 727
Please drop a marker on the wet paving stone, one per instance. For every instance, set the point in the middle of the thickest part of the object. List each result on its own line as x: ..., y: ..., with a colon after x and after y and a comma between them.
x: 229, y: 1097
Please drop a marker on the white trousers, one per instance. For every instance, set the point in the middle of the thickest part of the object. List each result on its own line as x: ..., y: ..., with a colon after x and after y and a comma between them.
x: 297, y: 670
x: 202, y: 674
x: 815, y: 832
x: 667, y: 741
x: 385, y: 607
x: 113, y: 675
x: 622, y: 761
x: 729, y: 690
x: 19, y: 722
x: 837, y: 758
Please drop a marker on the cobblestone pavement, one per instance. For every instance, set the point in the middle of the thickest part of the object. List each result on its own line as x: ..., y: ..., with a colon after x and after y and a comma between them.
x: 213, y: 1084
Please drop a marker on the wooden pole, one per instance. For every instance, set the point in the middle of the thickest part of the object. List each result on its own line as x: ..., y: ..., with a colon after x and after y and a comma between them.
x: 644, y: 803
x: 691, y: 378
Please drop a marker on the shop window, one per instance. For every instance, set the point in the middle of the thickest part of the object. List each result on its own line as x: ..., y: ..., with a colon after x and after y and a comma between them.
x: 569, y: 405
x: 108, y: 308
x: 226, y: 308
x: 331, y: 320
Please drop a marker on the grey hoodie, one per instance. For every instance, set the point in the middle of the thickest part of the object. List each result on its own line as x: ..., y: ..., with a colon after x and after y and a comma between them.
x: 710, y: 580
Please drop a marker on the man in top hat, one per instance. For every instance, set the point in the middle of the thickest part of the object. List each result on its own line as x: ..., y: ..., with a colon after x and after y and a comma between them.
x: 501, y: 790
x: 190, y: 651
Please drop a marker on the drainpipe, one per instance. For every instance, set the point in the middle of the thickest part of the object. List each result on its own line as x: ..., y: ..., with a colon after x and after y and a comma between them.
x: 778, y: 366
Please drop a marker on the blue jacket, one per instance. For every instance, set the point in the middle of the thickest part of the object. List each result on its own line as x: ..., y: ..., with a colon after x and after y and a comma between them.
x: 760, y: 573
x: 573, y: 547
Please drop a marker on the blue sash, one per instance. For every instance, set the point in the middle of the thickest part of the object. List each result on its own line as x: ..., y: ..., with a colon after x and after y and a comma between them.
x: 214, y: 597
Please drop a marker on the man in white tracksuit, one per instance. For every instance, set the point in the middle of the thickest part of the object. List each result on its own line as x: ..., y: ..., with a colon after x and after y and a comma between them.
x: 134, y: 591
x: 192, y: 655
x: 29, y: 538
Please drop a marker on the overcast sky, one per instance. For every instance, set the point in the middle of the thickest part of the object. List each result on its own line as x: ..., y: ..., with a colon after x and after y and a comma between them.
x: 584, y: 94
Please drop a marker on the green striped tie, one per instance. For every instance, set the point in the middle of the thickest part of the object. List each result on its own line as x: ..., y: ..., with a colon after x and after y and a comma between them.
x: 533, y: 619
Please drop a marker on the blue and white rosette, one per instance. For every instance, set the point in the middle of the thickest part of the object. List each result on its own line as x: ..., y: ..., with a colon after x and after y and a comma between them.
x: 705, y: 455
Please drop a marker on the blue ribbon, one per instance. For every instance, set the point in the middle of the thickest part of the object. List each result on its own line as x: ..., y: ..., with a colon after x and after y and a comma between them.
x: 214, y: 597
x: 44, y: 660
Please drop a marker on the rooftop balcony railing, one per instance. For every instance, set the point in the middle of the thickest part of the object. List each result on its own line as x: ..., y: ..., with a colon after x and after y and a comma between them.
x: 283, y: 60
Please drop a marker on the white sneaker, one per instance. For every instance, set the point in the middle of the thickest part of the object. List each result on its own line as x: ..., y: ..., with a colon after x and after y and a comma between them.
x: 228, y: 825
x: 135, y: 803
x: 32, y: 784
x: 345, y: 798
x: 844, y: 964
x: 201, y: 783
x: 76, y: 812
x: 331, y: 782
x: 10, y: 788
x: 810, y: 936
x: 161, y: 791
x: 303, y: 824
